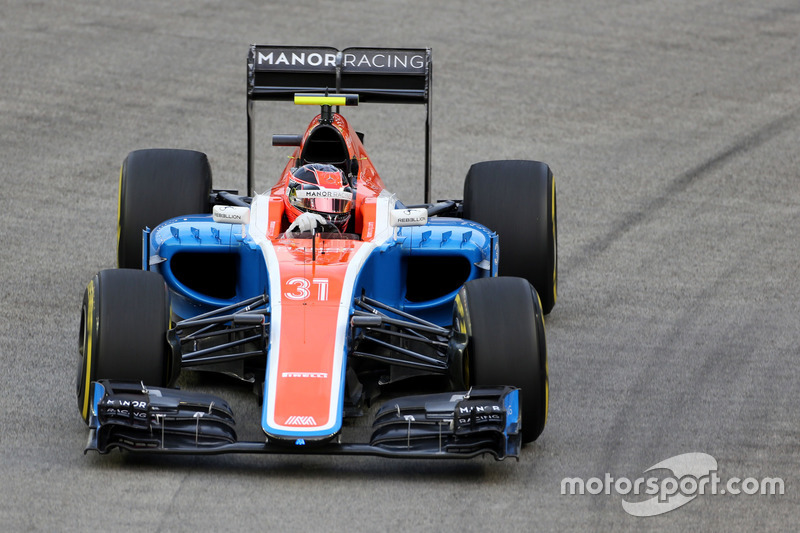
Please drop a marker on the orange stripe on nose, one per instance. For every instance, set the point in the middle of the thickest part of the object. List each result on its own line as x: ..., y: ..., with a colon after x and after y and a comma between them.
x: 305, y: 368
x: 305, y: 393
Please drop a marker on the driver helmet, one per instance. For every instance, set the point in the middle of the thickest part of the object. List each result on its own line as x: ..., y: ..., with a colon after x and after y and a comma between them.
x: 322, y: 189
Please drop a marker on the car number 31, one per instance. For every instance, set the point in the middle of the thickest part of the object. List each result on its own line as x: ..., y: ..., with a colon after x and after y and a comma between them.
x: 300, y: 288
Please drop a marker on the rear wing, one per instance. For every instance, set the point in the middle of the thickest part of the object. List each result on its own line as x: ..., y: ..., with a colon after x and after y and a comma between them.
x: 381, y: 75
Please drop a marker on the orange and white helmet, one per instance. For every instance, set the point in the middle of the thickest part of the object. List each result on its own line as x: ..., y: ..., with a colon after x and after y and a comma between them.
x: 319, y: 188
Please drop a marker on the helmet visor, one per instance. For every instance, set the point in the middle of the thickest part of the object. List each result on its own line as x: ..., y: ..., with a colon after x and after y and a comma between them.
x: 310, y: 197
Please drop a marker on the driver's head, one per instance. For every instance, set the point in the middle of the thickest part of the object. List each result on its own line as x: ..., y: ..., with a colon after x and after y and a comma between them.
x: 322, y: 189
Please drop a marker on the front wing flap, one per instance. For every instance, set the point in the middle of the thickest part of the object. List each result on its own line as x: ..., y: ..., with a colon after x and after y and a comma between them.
x: 478, y: 421
x: 466, y: 424
x: 132, y: 416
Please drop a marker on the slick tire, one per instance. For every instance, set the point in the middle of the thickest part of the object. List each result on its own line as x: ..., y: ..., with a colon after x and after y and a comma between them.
x: 156, y: 185
x: 501, y: 324
x: 517, y: 199
x: 123, y: 332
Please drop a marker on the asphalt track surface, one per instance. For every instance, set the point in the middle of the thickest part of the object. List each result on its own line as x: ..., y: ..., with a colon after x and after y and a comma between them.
x: 672, y: 129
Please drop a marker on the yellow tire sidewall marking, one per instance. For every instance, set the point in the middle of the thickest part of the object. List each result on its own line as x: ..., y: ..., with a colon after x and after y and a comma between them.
x: 546, y: 369
x: 555, y: 242
x: 119, y: 212
x: 88, y: 349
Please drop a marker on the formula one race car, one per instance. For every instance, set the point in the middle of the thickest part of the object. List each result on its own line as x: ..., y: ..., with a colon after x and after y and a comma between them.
x: 331, y: 296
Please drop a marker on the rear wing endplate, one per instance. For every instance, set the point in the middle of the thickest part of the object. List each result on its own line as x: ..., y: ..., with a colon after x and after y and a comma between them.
x: 381, y: 75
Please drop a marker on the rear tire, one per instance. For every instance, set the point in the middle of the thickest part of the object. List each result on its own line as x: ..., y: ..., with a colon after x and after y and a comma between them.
x: 517, y: 199
x: 501, y: 324
x: 123, y: 335
x: 156, y: 185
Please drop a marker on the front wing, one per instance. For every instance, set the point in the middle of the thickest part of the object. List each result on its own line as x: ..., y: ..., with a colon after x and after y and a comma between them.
x: 134, y: 417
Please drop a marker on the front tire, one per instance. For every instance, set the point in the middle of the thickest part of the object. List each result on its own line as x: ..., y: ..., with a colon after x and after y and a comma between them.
x: 156, y: 185
x: 517, y: 199
x: 500, y: 323
x: 123, y: 336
